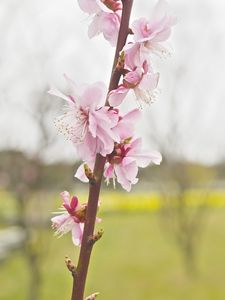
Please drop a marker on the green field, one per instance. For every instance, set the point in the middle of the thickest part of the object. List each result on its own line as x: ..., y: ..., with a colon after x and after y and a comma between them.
x: 135, y: 260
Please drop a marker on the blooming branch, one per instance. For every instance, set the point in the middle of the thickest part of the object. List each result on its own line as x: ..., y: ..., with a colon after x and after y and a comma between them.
x: 105, y: 139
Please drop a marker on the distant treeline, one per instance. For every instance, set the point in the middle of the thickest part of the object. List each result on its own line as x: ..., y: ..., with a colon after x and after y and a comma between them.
x: 16, y: 167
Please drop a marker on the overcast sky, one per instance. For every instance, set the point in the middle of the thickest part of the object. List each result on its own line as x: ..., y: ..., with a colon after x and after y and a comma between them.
x: 41, y: 40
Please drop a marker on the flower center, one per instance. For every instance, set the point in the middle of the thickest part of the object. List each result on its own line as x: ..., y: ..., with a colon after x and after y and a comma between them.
x: 146, y: 30
x: 120, y: 151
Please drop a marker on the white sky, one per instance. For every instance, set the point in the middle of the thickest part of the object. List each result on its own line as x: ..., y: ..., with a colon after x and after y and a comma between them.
x: 41, y: 40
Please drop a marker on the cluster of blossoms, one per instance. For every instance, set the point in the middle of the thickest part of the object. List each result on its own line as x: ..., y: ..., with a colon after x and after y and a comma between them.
x: 98, y: 128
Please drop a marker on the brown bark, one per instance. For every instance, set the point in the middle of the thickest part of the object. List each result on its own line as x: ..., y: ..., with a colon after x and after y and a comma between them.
x: 79, y: 278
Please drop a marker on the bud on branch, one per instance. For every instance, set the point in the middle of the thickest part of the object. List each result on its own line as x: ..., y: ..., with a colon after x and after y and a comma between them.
x: 92, y: 297
x: 71, y: 267
x: 94, y: 238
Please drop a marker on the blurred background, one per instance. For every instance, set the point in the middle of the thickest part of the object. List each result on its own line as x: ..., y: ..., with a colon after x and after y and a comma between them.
x: 164, y: 240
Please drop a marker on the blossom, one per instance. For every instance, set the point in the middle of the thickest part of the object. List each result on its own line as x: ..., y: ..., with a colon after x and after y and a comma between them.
x: 106, y: 18
x: 124, y: 128
x: 141, y: 81
x: 87, y: 122
x: 152, y: 33
x: 122, y: 164
x: 106, y: 23
x: 71, y: 218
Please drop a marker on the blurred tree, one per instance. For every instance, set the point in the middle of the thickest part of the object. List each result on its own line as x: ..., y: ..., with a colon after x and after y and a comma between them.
x: 24, y: 177
x: 178, y: 176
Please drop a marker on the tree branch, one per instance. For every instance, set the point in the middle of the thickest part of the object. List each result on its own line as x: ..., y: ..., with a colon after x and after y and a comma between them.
x: 80, y: 276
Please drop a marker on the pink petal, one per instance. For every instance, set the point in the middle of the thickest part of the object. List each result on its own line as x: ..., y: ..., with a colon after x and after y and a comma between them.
x: 92, y: 125
x: 134, y: 77
x: 66, y: 197
x: 135, y: 55
x: 88, y: 149
x: 59, y: 220
x: 94, y: 27
x: 132, y: 116
x: 121, y: 178
x: 145, y: 158
x: 80, y: 174
x: 77, y: 233
x: 89, y: 6
x: 149, y: 81
x: 55, y: 92
x: 130, y: 168
x: 140, y: 29
x: 109, y: 171
x: 107, y: 142
x: 156, y: 157
x: 73, y: 203
x: 74, y: 89
x: 135, y: 146
x: 117, y: 96
x: 124, y: 130
x: 160, y: 9
x: 109, y: 25
x: 126, y: 125
x: 94, y: 96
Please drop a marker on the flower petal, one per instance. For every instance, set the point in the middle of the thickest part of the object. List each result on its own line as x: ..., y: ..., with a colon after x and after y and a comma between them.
x: 121, y: 178
x: 145, y: 158
x: 149, y: 81
x: 94, y: 96
x: 94, y: 27
x: 53, y: 91
x: 77, y: 234
x: 117, y: 96
x: 66, y: 197
x: 80, y: 174
x: 89, y: 6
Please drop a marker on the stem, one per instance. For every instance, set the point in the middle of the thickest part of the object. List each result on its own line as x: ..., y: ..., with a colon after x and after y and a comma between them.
x: 79, y: 278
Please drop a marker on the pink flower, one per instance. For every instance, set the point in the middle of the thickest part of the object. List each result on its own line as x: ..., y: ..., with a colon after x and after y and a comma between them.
x: 142, y: 82
x: 106, y: 23
x: 152, y: 33
x: 124, y: 128
x: 71, y: 218
x: 122, y: 164
x: 106, y: 19
x: 87, y: 123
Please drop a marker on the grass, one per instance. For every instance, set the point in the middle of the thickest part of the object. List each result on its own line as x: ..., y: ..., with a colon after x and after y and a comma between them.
x: 135, y: 260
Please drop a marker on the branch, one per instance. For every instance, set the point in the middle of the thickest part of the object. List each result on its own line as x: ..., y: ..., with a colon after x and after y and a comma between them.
x: 79, y: 279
